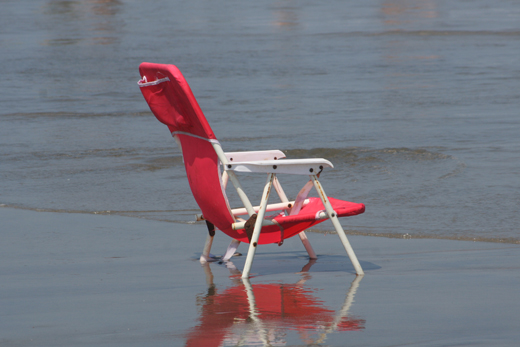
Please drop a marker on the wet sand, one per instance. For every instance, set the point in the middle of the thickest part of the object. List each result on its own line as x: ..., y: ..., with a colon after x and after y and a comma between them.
x: 80, y: 279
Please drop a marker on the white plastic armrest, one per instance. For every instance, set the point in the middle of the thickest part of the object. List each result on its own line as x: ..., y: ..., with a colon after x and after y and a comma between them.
x: 254, y: 155
x: 286, y: 166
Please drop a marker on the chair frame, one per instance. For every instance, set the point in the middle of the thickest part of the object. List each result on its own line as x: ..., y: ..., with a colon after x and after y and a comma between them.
x: 267, y: 162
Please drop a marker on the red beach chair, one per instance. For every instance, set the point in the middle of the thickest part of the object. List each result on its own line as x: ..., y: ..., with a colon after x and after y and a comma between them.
x: 209, y: 168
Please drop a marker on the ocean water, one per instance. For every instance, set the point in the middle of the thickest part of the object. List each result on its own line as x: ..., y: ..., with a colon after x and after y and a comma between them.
x: 416, y: 103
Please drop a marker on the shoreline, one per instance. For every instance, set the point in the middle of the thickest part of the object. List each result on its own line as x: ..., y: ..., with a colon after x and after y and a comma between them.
x: 405, y: 236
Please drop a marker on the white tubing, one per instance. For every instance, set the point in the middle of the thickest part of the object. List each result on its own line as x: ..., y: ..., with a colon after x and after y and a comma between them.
x: 341, y: 233
x: 205, y: 256
x: 232, y: 248
x: 258, y: 226
x: 307, y: 245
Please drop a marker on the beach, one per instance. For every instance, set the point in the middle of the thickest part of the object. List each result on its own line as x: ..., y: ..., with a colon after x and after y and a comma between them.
x: 83, y: 279
x: 415, y: 103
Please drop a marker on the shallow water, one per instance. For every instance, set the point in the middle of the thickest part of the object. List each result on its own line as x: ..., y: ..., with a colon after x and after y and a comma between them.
x: 415, y: 103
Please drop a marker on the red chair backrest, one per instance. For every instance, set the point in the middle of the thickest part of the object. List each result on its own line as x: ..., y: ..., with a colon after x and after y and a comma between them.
x: 172, y: 102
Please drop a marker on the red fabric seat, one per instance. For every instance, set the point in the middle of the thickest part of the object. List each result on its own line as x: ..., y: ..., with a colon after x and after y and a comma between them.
x: 304, y: 220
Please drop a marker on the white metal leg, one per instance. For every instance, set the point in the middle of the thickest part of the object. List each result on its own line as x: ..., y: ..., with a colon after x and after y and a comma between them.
x: 258, y: 226
x: 232, y: 248
x: 307, y: 245
x: 337, y: 226
x: 205, y: 257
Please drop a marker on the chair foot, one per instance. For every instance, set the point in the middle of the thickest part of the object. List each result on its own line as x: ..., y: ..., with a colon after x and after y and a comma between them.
x: 231, y: 250
x: 206, y: 256
x: 307, y: 245
x: 249, y: 260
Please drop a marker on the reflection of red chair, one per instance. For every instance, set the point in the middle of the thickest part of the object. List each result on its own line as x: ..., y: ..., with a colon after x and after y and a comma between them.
x: 172, y: 102
x: 265, y: 308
